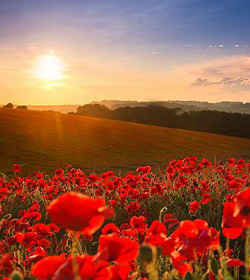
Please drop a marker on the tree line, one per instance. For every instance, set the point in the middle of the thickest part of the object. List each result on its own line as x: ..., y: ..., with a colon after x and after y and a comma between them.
x: 11, y: 106
x: 233, y: 124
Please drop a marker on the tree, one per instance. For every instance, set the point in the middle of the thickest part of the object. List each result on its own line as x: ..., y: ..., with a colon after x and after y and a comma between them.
x: 23, y: 107
x: 9, y: 106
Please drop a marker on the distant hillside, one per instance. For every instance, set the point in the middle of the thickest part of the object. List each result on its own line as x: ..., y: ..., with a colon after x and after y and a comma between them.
x: 211, y: 121
x: 48, y: 140
x: 65, y: 109
x: 186, y: 106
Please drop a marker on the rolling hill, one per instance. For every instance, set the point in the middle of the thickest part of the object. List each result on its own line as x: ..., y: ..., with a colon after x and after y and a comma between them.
x: 48, y: 140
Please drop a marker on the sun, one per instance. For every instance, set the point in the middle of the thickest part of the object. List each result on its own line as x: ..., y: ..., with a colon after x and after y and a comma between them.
x: 49, y: 67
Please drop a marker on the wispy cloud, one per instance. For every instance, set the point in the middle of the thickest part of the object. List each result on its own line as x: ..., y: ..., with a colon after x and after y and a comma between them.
x: 239, y: 84
x: 218, y: 68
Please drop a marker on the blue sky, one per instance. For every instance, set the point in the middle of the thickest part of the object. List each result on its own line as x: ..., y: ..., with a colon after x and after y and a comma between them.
x: 144, y: 44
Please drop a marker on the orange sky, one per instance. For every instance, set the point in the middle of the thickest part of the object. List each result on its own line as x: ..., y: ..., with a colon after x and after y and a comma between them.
x: 125, y: 50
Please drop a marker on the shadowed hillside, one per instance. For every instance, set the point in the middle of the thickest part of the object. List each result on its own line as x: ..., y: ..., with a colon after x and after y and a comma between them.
x: 48, y: 140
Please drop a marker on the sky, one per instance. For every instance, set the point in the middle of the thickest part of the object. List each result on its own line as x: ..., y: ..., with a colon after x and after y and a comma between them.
x: 76, y: 51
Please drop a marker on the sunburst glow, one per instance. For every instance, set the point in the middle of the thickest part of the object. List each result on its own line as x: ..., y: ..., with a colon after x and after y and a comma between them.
x: 49, y: 67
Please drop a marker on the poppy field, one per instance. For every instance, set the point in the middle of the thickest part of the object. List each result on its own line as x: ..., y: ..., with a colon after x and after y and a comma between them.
x: 190, y: 220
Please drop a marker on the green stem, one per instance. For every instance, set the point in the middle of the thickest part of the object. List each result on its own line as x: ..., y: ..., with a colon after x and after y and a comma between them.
x: 75, y: 265
x: 162, y: 213
x: 247, y: 252
x: 228, y: 245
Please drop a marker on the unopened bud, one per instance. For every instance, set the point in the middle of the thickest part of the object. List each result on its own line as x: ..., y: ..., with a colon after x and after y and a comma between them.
x: 146, y: 253
x: 16, y: 275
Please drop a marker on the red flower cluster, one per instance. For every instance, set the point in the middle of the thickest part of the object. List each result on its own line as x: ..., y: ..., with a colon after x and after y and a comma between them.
x: 57, y: 228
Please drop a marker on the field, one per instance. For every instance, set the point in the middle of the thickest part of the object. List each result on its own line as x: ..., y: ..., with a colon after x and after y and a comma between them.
x: 190, y: 221
x: 45, y: 140
x: 169, y: 218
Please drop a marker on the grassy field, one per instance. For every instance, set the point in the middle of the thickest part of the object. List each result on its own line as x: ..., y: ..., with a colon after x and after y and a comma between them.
x: 48, y: 140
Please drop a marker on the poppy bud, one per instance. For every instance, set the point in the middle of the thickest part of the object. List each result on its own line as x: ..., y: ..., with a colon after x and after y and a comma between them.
x: 146, y: 253
x: 163, y: 211
x: 16, y: 275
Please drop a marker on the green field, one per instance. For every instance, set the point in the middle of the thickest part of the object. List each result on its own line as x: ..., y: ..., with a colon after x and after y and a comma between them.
x: 48, y: 140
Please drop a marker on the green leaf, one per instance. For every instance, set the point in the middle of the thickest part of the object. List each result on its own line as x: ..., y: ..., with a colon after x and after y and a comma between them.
x: 188, y: 276
x: 205, y: 276
x: 214, y: 266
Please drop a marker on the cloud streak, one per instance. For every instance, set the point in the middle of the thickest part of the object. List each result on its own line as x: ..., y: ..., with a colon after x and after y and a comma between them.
x: 239, y: 84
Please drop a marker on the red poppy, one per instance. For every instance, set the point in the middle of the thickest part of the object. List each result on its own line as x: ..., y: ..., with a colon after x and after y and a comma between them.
x: 58, y: 268
x: 178, y: 261
x: 157, y: 228
x: 59, y: 172
x: 45, y: 268
x: 110, y: 228
x: 234, y: 262
x: 36, y: 254
x: 242, y: 206
x: 231, y: 161
x: 115, y: 248
x: 120, y: 271
x: 170, y: 171
x: 195, y: 235
x: 194, y: 206
x: 144, y: 169
x: 232, y: 226
x: 89, y: 269
x: 188, y: 228
x: 79, y: 212
x: 16, y: 168
x: 167, y: 217
x: 138, y: 223
x: 6, y: 263
x: 206, y: 198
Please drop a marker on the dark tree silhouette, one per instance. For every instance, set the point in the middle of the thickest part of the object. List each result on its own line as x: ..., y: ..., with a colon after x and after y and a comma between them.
x: 9, y: 106
x: 22, y: 107
x: 234, y: 124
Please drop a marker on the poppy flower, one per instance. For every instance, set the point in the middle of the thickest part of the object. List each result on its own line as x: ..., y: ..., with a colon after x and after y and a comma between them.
x: 194, y: 206
x: 234, y: 262
x: 45, y: 268
x: 170, y: 171
x: 60, y: 268
x: 16, y: 168
x: 231, y: 161
x: 144, y: 169
x: 59, y: 172
x: 6, y: 263
x: 167, y: 217
x: 168, y: 246
x: 188, y: 228
x: 242, y: 206
x: 232, y: 226
x: 195, y: 235
x: 178, y: 261
x: 138, y: 223
x: 206, y: 198
x: 157, y: 228
x: 36, y: 254
x: 115, y: 248
x: 120, y: 271
x: 110, y: 228
x: 79, y: 212
x: 89, y: 269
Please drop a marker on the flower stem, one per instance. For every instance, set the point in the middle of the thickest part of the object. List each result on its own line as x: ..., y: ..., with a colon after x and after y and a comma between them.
x: 75, y: 265
x: 162, y: 213
x: 247, y: 252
